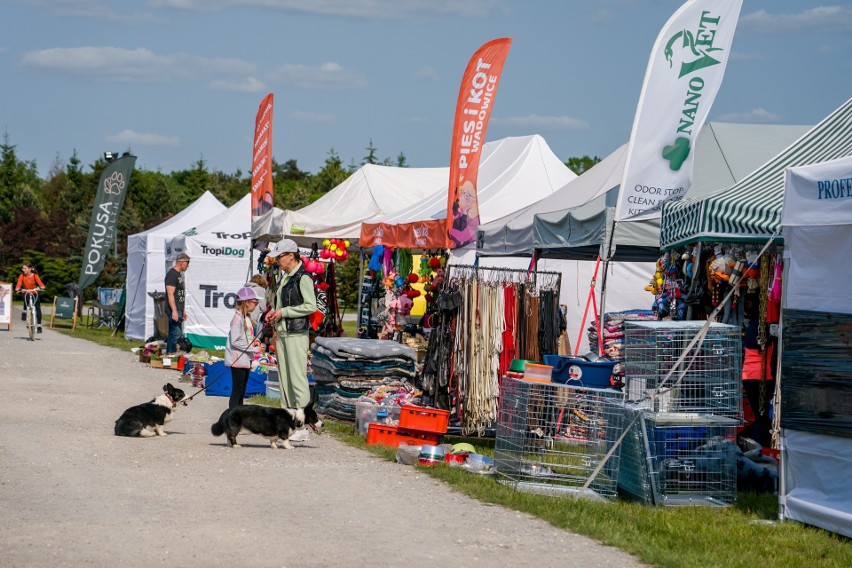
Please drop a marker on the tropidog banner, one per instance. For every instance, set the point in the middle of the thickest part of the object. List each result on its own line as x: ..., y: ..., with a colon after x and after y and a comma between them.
x: 112, y: 189
x: 261, y: 161
x: 684, y: 74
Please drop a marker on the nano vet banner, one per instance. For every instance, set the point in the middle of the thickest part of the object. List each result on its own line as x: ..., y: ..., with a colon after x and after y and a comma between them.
x: 681, y: 81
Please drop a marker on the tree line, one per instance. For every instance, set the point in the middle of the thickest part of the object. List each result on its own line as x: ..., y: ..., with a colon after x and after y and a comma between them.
x: 45, y: 221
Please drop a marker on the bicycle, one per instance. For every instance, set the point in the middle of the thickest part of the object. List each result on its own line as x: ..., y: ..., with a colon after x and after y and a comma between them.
x: 30, y: 310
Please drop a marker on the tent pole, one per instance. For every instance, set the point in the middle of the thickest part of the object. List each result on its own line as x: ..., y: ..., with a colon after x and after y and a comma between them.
x: 586, y: 311
x: 602, y: 307
x: 360, y: 285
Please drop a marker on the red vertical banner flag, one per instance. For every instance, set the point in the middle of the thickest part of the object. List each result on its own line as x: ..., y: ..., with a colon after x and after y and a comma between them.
x: 261, y: 161
x: 473, y: 109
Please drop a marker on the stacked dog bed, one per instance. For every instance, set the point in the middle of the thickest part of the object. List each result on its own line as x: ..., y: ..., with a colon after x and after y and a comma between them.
x: 346, y: 368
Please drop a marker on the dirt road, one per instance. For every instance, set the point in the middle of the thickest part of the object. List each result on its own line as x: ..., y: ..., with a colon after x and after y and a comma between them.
x: 73, y: 494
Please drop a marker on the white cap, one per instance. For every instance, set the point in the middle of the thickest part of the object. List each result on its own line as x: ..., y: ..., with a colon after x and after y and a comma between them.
x: 284, y: 245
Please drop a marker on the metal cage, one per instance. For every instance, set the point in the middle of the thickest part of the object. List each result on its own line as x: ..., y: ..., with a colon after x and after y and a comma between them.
x: 678, y: 459
x: 706, y: 382
x: 554, y: 439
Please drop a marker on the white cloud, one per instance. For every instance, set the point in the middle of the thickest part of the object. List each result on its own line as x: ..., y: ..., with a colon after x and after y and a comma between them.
x: 96, y: 10
x: 135, y: 65
x: 541, y: 123
x: 427, y: 73
x: 823, y: 18
x: 368, y: 9
x: 757, y: 115
x: 131, y: 137
x: 313, y: 117
x: 326, y: 77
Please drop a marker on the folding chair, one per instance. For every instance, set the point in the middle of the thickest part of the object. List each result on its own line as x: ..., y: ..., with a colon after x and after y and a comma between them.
x: 104, y: 311
x: 66, y: 308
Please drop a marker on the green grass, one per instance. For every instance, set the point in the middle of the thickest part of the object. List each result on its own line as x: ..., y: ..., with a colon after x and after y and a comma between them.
x: 743, y: 535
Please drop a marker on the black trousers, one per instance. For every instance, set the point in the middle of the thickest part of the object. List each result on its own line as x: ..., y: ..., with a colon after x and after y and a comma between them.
x: 239, y: 380
x: 37, y: 307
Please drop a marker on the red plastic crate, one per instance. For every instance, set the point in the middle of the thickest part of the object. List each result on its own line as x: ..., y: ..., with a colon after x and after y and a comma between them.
x: 424, y: 419
x: 393, y: 436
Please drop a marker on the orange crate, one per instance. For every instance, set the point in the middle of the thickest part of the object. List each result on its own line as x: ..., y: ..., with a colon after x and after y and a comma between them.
x: 393, y: 436
x: 423, y: 419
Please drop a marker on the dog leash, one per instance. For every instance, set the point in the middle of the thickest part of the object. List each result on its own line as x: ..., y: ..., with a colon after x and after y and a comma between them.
x: 222, y: 374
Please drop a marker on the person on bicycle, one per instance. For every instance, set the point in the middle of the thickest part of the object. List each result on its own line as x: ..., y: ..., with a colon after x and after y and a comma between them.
x: 29, y: 282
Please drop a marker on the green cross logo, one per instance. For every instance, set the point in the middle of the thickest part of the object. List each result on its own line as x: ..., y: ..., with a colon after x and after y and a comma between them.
x: 677, y: 153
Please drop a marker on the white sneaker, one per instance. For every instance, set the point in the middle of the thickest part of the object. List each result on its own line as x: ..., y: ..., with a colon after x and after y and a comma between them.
x: 300, y: 435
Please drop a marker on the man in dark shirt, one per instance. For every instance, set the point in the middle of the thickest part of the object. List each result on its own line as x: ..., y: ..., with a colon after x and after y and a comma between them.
x: 176, y: 300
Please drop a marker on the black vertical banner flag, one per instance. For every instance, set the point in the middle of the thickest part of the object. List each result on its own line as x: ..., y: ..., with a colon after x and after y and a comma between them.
x: 112, y: 188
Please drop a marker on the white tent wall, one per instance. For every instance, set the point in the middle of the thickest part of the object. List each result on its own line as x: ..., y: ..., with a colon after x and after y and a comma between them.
x: 626, y: 283
x: 220, y: 253
x: 146, y: 263
x: 816, y: 477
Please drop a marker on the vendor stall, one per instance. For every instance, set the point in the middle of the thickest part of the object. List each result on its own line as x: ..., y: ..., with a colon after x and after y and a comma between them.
x: 816, y: 366
x: 485, y: 318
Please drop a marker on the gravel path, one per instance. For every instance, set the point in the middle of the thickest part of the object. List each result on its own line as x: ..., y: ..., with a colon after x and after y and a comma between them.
x: 73, y: 494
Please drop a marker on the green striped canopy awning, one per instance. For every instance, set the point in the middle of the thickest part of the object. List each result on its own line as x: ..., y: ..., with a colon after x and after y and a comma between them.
x: 750, y: 210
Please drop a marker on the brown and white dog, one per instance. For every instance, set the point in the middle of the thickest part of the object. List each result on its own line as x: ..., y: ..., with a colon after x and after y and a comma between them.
x: 147, y: 419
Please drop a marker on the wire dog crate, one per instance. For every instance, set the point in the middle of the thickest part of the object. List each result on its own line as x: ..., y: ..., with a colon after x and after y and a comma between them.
x: 711, y: 370
x: 678, y: 459
x: 554, y: 439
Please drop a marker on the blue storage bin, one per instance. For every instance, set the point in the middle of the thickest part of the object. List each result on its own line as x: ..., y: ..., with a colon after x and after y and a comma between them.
x: 579, y: 372
x: 221, y: 386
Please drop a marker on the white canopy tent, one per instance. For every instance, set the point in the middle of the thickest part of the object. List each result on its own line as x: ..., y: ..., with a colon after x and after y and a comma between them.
x: 369, y: 193
x: 146, y: 263
x: 513, y: 173
x: 724, y: 154
x: 816, y: 478
x: 220, y: 253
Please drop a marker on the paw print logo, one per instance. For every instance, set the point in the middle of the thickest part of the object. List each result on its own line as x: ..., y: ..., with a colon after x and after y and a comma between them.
x: 114, y: 184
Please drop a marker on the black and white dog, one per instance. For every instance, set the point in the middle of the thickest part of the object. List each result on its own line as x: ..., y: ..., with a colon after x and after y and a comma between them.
x: 274, y: 423
x: 147, y: 419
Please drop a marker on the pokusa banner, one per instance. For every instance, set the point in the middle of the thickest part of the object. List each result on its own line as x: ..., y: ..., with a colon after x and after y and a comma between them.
x: 112, y: 189
x: 473, y: 110
x: 261, y: 161
x: 684, y: 74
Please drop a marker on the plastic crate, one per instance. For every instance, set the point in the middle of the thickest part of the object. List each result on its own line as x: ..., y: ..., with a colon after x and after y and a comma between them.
x: 365, y: 413
x: 579, y: 372
x: 273, y: 389
x: 393, y: 436
x: 422, y: 419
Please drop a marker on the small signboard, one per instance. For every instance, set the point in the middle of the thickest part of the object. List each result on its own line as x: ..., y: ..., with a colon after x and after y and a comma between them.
x: 65, y: 308
x: 6, y: 305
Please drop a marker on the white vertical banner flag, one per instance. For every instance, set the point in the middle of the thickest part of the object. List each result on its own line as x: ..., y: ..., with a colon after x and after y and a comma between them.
x: 683, y: 76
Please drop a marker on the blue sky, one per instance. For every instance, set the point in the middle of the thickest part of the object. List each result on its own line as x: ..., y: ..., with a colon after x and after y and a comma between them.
x: 176, y: 81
